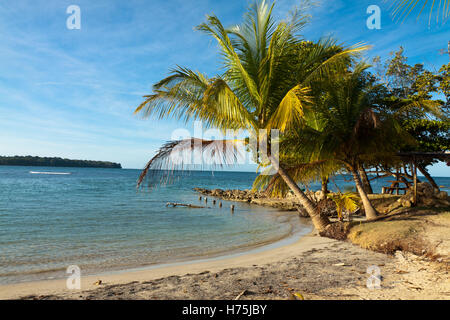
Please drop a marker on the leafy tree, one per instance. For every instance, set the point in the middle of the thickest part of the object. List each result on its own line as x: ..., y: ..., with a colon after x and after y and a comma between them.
x: 444, y: 86
x: 410, y: 95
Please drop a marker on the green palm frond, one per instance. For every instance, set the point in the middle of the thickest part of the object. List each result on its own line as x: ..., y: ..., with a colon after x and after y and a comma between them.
x: 403, y: 8
x: 235, y: 70
x: 421, y: 107
x: 348, y: 202
x: 324, y: 58
x: 290, y: 112
x: 344, y: 126
x: 311, y: 64
x: 187, y: 94
x: 304, y: 173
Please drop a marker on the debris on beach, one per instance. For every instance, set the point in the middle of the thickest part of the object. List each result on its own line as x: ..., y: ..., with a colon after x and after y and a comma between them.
x: 98, y: 282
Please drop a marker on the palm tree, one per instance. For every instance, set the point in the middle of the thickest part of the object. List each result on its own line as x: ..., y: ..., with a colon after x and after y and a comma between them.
x: 268, y: 70
x: 352, y: 132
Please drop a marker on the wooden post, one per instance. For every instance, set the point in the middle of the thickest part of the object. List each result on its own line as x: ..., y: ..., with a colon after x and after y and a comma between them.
x: 414, y: 169
x: 397, y: 184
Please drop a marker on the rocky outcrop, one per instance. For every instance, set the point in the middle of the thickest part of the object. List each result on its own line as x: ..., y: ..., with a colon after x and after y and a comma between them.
x: 254, y: 197
x: 288, y: 203
x: 427, y: 196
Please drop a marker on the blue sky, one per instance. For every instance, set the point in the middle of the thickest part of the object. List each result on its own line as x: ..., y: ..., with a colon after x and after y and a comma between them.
x: 71, y: 93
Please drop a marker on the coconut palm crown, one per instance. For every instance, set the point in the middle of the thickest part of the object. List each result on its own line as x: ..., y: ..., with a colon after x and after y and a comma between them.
x: 352, y: 131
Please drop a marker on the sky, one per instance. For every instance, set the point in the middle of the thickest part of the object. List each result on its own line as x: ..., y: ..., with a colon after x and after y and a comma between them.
x: 71, y: 92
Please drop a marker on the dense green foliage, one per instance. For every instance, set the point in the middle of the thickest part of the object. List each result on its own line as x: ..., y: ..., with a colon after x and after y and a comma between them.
x: 56, y: 162
x: 431, y: 135
x: 419, y: 99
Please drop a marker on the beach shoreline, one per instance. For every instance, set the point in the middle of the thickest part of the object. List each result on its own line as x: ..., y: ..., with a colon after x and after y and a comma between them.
x: 262, y: 251
x: 298, y: 226
x: 316, y: 267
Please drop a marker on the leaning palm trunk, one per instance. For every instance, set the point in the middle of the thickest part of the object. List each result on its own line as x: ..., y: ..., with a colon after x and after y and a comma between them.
x: 365, y: 180
x: 371, y: 213
x: 320, y: 222
x: 427, y: 175
x: 324, y: 188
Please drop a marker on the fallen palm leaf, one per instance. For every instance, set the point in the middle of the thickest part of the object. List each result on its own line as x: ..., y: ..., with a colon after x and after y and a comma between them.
x: 299, y: 296
x: 240, y: 294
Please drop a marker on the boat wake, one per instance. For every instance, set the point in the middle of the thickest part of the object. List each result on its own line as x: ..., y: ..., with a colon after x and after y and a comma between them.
x: 58, y: 173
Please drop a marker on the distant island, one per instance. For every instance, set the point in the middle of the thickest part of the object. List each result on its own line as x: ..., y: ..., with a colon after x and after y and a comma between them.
x: 55, y: 162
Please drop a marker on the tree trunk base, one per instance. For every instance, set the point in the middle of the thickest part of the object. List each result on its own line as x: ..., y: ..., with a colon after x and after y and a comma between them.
x: 337, y: 230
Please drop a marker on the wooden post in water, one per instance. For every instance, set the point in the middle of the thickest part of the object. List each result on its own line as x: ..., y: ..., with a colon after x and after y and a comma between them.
x: 214, y: 202
x: 220, y: 204
x: 200, y: 198
x: 232, y: 208
x: 206, y: 200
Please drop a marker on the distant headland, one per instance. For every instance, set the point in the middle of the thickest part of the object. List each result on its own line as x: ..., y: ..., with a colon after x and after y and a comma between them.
x: 55, y: 162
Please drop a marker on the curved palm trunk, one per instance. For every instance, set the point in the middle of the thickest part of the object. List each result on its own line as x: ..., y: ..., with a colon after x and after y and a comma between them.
x: 320, y: 222
x: 371, y: 213
x: 324, y: 188
x: 428, y: 176
x: 365, y: 180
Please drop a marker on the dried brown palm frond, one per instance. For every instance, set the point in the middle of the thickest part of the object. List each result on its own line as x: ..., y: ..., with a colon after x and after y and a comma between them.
x: 181, y: 155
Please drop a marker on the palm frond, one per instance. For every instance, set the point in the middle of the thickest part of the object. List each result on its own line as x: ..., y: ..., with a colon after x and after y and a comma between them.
x: 187, y: 94
x: 348, y: 202
x: 303, y: 173
x: 403, y: 8
x: 290, y: 112
x: 235, y: 70
x: 186, y: 154
x: 334, y: 59
x: 421, y: 107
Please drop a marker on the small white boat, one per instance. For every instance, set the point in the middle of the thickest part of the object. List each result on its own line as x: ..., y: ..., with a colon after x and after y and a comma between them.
x: 59, y: 173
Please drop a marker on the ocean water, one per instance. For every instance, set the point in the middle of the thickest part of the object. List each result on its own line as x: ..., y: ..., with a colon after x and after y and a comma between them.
x: 96, y: 219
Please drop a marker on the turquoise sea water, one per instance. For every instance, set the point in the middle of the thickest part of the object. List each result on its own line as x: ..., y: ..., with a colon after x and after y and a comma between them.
x: 95, y: 218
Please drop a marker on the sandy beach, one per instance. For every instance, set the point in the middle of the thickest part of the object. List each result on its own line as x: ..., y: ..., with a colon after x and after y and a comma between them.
x: 315, y: 267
